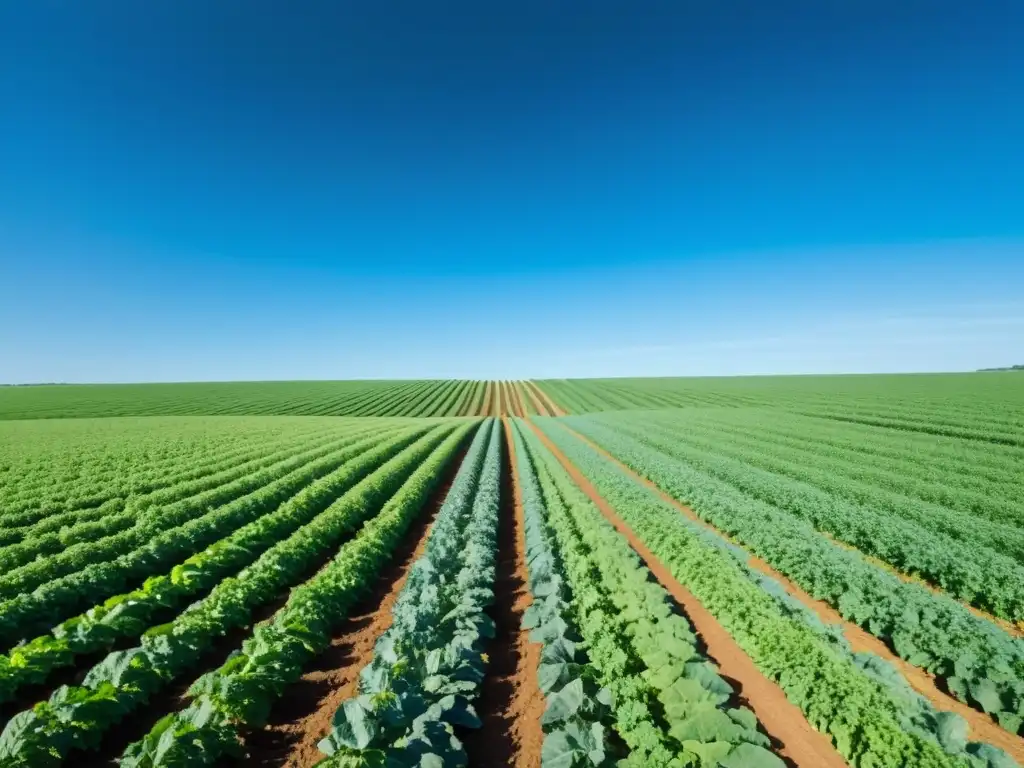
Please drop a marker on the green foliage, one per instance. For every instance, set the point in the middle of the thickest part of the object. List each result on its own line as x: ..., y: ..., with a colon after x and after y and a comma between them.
x: 243, y: 689
x: 867, y: 722
x: 936, y: 545
x: 427, y: 668
x: 129, y: 614
x: 671, y: 706
x: 578, y: 708
x: 981, y: 663
x: 982, y: 407
x: 54, y: 601
x: 120, y: 504
x: 334, y: 398
x: 53, y: 728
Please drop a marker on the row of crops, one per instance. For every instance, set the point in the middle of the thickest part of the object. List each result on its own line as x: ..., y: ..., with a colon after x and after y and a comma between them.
x: 973, y: 657
x: 982, y: 406
x: 307, y: 398
x: 747, y: 587
x: 420, y: 398
x: 155, y: 610
x: 985, y: 407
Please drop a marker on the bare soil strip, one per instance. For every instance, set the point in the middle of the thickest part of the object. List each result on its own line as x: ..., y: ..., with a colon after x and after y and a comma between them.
x: 172, y: 698
x: 512, y: 407
x: 550, y: 404
x: 510, y: 400
x: 796, y: 741
x: 510, y: 704
x: 519, y: 407
x: 496, y: 399
x: 485, y: 404
x: 303, y: 715
x: 982, y: 727
x: 540, y: 405
x: 1007, y: 626
x: 502, y: 400
x: 475, y: 403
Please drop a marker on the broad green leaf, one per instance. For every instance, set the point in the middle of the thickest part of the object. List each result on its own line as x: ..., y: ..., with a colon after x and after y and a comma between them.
x: 951, y: 730
x: 707, y: 725
x: 751, y: 756
x: 353, y: 725
x: 987, y: 695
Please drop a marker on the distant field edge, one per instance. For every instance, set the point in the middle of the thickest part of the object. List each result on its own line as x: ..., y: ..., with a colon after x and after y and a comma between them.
x: 973, y: 406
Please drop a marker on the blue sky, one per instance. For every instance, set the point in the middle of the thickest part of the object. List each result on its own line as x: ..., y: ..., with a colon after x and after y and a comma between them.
x: 227, y: 190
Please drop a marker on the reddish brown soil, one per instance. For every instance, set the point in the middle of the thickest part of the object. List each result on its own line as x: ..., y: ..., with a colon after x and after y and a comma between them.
x: 174, y: 697
x: 502, y: 400
x: 479, y: 405
x: 550, y: 404
x: 475, y: 403
x: 512, y: 406
x: 982, y: 727
x: 510, y: 704
x: 496, y: 399
x: 797, y: 742
x: 519, y: 408
x: 510, y: 400
x: 303, y: 715
x: 487, y: 403
x: 1006, y: 626
x: 542, y: 409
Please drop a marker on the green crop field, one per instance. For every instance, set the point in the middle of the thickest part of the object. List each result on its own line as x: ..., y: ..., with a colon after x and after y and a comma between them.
x: 736, y: 572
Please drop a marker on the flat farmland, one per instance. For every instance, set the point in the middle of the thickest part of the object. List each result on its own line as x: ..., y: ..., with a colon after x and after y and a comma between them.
x: 746, y: 572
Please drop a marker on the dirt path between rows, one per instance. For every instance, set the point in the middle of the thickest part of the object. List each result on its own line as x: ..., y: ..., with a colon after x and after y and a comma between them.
x: 1005, y: 625
x: 502, y: 399
x: 479, y: 404
x: 524, y: 401
x: 796, y: 741
x: 982, y: 727
x: 512, y: 405
x: 464, y: 404
x: 510, y: 400
x: 486, y: 403
x: 518, y: 406
x: 510, y: 704
x: 174, y: 696
x: 538, y: 404
x: 496, y: 400
x: 552, y: 408
x: 303, y: 715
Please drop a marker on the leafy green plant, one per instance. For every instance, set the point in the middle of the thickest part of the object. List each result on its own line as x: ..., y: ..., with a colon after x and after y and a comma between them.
x: 671, y: 706
x: 57, y: 532
x: 578, y: 708
x: 981, y: 664
x: 922, y: 546
x: 151, y: 522
x: 129, y: 614
x: 36, y: 611
x: 244, y: 688
x: 428, y: 666
x: 53, y: 728
x: 868, y: 724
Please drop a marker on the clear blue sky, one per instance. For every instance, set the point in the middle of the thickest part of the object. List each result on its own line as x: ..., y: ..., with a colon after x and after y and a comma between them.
x: 252, y: 190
